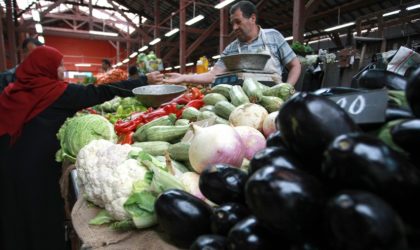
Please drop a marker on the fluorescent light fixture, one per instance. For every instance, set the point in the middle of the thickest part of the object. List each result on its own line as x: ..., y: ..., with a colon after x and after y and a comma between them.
x: 143, y: 48
x: 133, y: 54
x: 339, y: 26
x: 413, y: 7
x: 216, y: 57
x: 35, y: 16
x: 126, y: 60
x: 119, y: 64
x: 143, y: 19
x: 194, y: 20
x: 82, y: 65
x: 41, y: 39
x: 177, y: 67
x: 102, y: 33
x: 168, y: 68
x: 189, y: 64
x: 288, y: 38
x: 38, y: 28
x: 223, y: 4
x: 155, y: 41
x: 392, y: 13
x: 171, y: 32
x: 114, y: 66
x: 320, y: 40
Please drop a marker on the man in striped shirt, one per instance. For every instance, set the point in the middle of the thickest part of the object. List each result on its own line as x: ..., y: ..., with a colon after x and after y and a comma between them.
x: 251, y: 38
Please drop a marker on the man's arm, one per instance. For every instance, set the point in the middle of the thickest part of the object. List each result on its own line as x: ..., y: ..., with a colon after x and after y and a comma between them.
x: 294, y: 68
x: 205, y: 78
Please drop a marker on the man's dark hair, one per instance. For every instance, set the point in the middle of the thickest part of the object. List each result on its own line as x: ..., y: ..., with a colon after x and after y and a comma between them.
x: 133, y: 70
x: 247, y: 8
x: 30, y: 40
x: 107, y: 62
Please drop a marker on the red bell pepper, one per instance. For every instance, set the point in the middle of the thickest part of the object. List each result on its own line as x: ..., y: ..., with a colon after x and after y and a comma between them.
x: 126, y: 138
x: 197, y: 103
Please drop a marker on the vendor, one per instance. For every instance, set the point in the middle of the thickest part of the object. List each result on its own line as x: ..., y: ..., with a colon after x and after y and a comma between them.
x: 106, y: 65
x: 32, y: 110
x: 251, y: 38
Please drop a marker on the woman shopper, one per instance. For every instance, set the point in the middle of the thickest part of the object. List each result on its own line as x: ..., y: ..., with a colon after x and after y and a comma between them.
x: 32, y: 109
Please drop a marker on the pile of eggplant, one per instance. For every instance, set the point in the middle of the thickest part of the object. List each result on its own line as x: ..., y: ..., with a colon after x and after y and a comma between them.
x: 322, y: 183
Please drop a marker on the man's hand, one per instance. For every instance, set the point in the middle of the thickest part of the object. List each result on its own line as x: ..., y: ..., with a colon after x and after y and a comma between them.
x: 174, y: 78
x: 154, y: 77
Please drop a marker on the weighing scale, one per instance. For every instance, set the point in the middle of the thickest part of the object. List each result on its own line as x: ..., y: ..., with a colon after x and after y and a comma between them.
x: 237, y: 77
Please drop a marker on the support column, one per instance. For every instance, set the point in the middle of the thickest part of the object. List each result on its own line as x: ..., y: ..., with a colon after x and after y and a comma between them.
x: 381, y: 32
x: 157, y: 30
x: 3, y: 65
x: 11, y: 34
x: 224, y: 28
x: 298, y: 20
x: 182, y: 35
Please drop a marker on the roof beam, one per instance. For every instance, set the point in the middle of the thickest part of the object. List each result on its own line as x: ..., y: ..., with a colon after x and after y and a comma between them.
x: 202, y: 38
x: 51, y: 7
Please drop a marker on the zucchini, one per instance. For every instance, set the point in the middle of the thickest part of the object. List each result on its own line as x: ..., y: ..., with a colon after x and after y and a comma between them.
x: 252, y: 89
x: 222, y: 89
x: 282, y: 90
x: 223, y: 109
x: 166, y: 133
x: 182, y: 122
x: 166, y: 120
x: 271, y: 103
x: 238, y: 96
x: 207, y: 114
x: 263, y: 87
x: 179, y: 151
x: 213, y: 98
x: 190, y: 114
x: 153, y: 147
x: 207, y: 108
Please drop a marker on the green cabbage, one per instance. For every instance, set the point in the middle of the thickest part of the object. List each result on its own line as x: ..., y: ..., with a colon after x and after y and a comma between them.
x: 78, y: 131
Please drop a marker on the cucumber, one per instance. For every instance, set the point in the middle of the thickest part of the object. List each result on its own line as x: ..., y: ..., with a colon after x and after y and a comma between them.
x: 238, y: 96
x: 153, y: 147
x: 166, y: 133
x: 179, y: 151
x: 223, y: 109
x: 222, y: 89
x: 282, y: 90
x: 271, y: 103
x: 207, y: 108
x: 252, y: 89
x: 166, y: 120
x: 190, y: 114
x: 182, y: 122
x: 213, y: 98
x: 263, y: 87
x: 207, y: 114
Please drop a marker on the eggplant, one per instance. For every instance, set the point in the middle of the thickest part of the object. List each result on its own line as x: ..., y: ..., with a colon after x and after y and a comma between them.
x: 379, y: 78
x: 250, y: 234
x: 289, y: 202
x: 336, y: 91
x: 357, y: 161
x: 182, y: 216
x: 210, y: 242
x: 276, y: 157
x: 358, y: 220
x: 309, y: 123
x: 222, y: 183
x: 406, y: 135
x: 276, y: 140
x: 226, y: 216
x: 395, y: 113
x: 412, y: 92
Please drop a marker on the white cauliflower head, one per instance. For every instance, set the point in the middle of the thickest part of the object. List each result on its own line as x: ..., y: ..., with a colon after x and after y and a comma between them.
x: 106, y: 175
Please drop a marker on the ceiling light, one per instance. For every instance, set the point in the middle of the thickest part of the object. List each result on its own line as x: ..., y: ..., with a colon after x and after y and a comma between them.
x: 223, y: 4
x: 114, y: 66
x: 133, y: 54
x: 119, y: 64
x: 143, y: 48
x: 189, y: 64
x: 143, y: 19
x: 125, y: 60
x: 288, y: 38
x: 41, y: 39
x: 35, y: 16
x: 194, y: 20
x: 102, y: 33
x: 38, y: 28
x: 216, y: 57
x: 155, y: 41
x: 177, y: 67
x: 413, y: 7
x: 392, y: 13
x: 168, y: 68
x: 339, y: 26
x: 82, y: 65
x: 171, y: 32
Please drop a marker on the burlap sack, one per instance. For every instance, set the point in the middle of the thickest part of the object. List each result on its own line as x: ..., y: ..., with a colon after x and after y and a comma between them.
x: 104, y: 238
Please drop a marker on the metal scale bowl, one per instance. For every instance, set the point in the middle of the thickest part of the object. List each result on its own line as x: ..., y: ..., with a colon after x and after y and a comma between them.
x: 244, y: 65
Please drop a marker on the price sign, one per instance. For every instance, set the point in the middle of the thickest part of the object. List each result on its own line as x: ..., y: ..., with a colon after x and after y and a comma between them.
x: 364, y: 107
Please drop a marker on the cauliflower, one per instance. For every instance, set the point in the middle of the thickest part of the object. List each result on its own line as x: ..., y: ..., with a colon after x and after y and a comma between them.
x: 106, y: 175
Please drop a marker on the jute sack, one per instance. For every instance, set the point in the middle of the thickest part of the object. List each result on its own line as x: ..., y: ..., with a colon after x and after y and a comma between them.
x: 104, y: 238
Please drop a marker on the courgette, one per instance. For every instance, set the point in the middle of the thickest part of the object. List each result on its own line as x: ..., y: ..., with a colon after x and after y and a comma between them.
x: 179, y: 151
x: 223, y: 109
x: 271, y: 103
x: 238, y: 96
x: 153, y: 147
x: 182, y: 122
x: 282, y: 90
x: 207, y: 114
x: 252, y: 89
x: 166, y: 120
x: 207, y: 108
x: 222, y: 89
x: 190, y: 114
x: 166, y: 133
x: 213, y: 98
